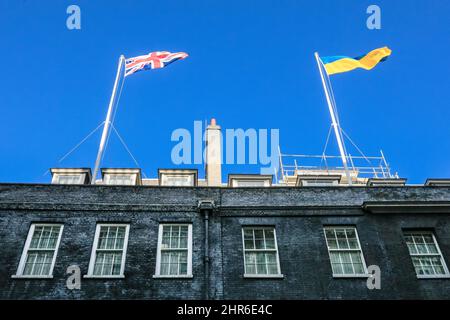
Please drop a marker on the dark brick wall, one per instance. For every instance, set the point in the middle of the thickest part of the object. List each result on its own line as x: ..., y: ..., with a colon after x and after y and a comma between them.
x: 298, y: 214
x: 306, y: 267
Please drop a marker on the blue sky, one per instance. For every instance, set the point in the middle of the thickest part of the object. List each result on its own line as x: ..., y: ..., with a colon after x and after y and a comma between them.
x: 251, y: 65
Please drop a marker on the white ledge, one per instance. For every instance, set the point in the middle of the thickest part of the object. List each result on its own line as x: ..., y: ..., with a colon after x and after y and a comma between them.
x: 343, y: 276
x: 264, y: 276
x: 89, y: 276
x: 184, y: 276
x: 443, y: 276
x: 18, y: 276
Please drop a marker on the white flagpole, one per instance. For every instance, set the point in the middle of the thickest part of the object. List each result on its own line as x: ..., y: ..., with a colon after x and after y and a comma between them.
x: 107, y: 122
x: 336, y: 127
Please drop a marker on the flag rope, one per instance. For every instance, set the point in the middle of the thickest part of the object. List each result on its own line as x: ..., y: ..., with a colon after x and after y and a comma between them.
x: 128, y: 150
x: 76, y: 146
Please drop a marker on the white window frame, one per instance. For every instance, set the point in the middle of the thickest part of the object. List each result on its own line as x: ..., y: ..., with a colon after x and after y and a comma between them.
x: 158, y: 252
x: 23, y: 258
x: 248, y: 275
x: 439, y: 253
x: 132, y: 177
x: 57, y: 176
x: 355, y: 275
x: 320, y: 183
x: 237, y: 183
x: 166, y: 176
x: 90, y: 273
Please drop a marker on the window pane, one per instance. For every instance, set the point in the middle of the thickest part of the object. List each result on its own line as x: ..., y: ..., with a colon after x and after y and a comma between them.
x: 259, y: 244
x: 45, y: 237
x: 108, y: 263
x: 174, y: 250
x: 264, y: 259
x: 270, y: 244
x: 121, y: 179
x: 346, y: 257
x: 250, y: 269
x: 69, y: 179
x: 261, y: 267
x: 248, y: 234
x: 250, y: 258
x: 412, y: 248
x: 359, y: 269
x: 329, y: 233
x: 177, y: 180
x: 353, y: 243
x: 259, y: 233
x: 342, y: 240
x: 249, y: 244
x: 38, y: 263
x: 426, y: 258
x: 272, y: 267
x: 332, y: 244
x: 346, y: 262
x: 269, y: 234
x: 337, y: 268
x: 250, y: 263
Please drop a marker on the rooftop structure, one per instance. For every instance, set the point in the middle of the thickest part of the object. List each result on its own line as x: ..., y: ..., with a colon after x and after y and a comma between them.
x: 297, y: 170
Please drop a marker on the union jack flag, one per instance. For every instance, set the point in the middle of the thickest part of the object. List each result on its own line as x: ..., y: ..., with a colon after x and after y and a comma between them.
x: 153, y: 60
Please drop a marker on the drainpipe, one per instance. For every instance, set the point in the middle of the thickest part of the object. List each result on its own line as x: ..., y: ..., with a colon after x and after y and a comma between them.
x: 206, y: 207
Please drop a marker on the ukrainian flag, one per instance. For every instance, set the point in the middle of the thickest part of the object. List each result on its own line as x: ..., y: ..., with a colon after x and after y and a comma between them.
x: 339, y: 64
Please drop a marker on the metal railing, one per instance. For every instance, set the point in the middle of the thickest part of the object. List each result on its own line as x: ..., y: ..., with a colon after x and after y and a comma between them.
x: 359, y: 166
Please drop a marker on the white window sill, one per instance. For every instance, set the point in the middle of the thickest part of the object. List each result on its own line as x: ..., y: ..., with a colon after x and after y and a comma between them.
x: 184, y: 276
x: 442, y: 276
x: 89, y: 276
x: 15, y: 276
x: 264, y: 276
x: 344, y: 276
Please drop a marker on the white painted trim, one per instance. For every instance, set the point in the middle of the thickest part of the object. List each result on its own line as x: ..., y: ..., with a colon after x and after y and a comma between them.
x: 264, y: 276
x: 158, y: 252
x: 356, y: 275
x: 81, y: 177
x: 90, y: 273
x: 182, y: 276
x: 248, y: 275
x: 132, y: 177
x: 166, y: 176
x: 347, y: 276
x: 86, y: 276
x: 14, y: 276
x: 237, y: 182
x: 440, y: 276
x: 23, y: 258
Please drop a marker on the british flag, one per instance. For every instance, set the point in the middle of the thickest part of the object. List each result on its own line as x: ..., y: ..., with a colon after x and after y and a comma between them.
x: 153, y: 60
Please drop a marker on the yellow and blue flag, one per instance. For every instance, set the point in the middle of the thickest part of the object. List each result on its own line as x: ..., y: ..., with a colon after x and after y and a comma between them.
x: 339, y: 64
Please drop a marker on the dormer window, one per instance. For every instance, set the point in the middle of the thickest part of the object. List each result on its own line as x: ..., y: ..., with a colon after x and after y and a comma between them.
x: 249, y: 180
x: 386, y: 182
x: 69, y: 179
x: 318, y: 180
x: 437, y: 183
x: 121, y: 177
x: 178, y: 177
x: 71, y: 175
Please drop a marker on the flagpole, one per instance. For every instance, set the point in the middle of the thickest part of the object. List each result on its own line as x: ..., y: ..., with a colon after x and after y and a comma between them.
x: 107, y: 123
x: 334, y: 122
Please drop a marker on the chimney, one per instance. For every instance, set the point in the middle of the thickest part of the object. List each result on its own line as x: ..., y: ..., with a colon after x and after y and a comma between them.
x: 213, y: 155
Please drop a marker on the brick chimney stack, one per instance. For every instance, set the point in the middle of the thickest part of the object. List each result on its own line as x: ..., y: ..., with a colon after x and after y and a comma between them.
x: 213, y: 155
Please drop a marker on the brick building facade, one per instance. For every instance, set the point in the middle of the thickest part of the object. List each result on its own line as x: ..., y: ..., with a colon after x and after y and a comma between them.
x: 386, y: 219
